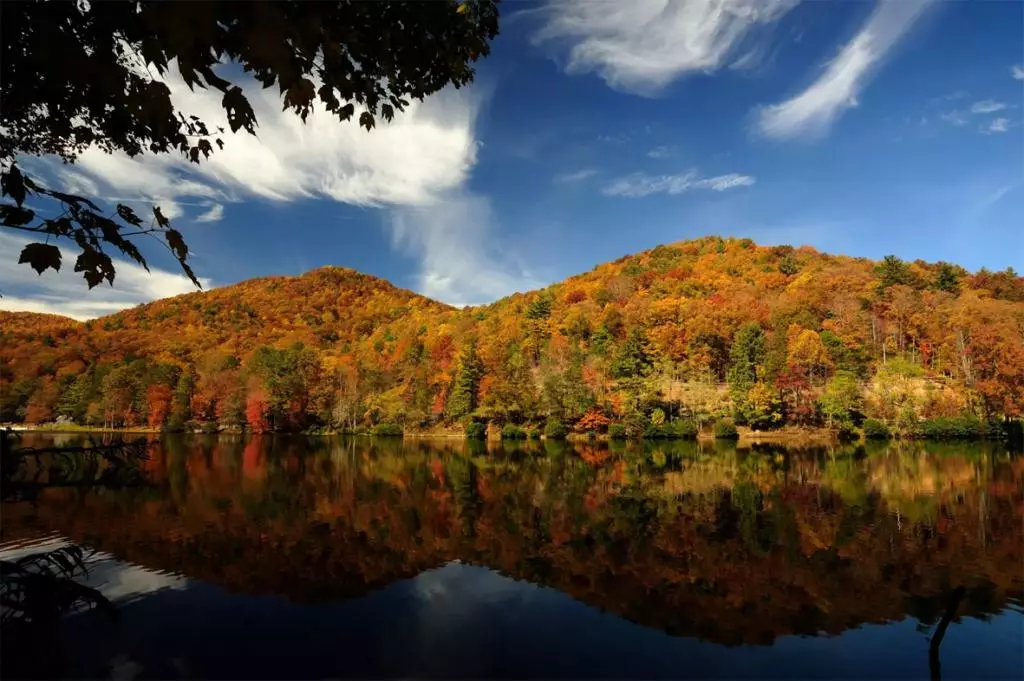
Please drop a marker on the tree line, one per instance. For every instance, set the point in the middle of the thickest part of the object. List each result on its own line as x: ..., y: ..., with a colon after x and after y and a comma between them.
x: 694, y: 332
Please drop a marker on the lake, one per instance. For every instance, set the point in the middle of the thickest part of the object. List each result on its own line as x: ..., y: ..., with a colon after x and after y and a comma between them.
x: 333, y: 557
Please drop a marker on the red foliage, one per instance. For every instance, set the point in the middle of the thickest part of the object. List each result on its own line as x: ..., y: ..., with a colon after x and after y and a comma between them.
x: 592, y: 420
x: 256, y: 408
x: 158, y: 404
x: 575, y: 296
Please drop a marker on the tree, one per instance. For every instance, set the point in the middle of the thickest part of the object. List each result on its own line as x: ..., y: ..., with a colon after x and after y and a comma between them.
x: 841, y: 399
x: 892, y: 271
x: 747, y: 355
x: 464, y: 396
x: 159, y: 399
x: 632, y: 360
x: 256, y: 408
x: 947, y: 278
x: 804, y: 349
x: 180, y: 407
x: 79, y: 74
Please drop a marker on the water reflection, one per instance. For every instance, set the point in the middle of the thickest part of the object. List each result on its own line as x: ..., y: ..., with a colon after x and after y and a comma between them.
x: 701, y: 541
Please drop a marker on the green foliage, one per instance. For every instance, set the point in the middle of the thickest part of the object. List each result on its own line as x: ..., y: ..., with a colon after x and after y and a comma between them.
x: 746, y: 354
x: 386, y: 430
x: 464, y: 395
x: 966, y: 427
x: 841, y: 399
x: 632, y: 359
x: 513, y: 432
x: 947, y: 278
x: 555, y: 430
x: 789, y: 265
x: 876, y: 430
x: 682, y: 429
x: 540, y: 307
x: 900, y: 366
x: 476, y: 430
x: 533, y: 434
x: 892, y: 271
x: 725, y: 430
x: 654, y: 432
x: 617, y: 431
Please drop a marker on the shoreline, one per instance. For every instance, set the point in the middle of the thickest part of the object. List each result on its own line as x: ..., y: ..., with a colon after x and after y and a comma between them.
x: 746, y: 435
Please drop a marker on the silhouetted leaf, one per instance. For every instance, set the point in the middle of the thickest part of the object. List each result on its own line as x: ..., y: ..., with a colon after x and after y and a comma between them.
x: 238, y: 109
x: 41, y: 256
x: 13, y: 184
x: 366, y: 120
x: 177, y: 244
x: 95, y: 266
x: 160, y: 219
x: 15, y: 215
x: 128, y: 215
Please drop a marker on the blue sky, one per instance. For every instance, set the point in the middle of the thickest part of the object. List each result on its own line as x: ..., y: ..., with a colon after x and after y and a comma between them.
x: 597, y: 129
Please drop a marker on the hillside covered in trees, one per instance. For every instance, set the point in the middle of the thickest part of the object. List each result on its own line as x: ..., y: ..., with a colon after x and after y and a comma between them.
x: 695, y: 331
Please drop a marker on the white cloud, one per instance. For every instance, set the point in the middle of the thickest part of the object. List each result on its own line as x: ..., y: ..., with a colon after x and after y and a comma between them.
x: 638, y: 185
x: 215, y: 214
x: 815, y: 109
x: 660, y: 152
x: 996, y: 125
x: 460, y: 264
x: 576, y: 176
x: 66, y: 293
x: 1017, y: 71
x: 986, y: 106
x: 423, y: 152
x: 419, y: 160
x: 954, y: 118
x: 643, y: 45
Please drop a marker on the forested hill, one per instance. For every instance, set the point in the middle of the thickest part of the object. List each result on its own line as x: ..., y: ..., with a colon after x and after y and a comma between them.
x: 697, y: 330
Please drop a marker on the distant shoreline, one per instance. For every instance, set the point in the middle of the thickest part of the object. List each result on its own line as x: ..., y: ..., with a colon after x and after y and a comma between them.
x: 746, y: 435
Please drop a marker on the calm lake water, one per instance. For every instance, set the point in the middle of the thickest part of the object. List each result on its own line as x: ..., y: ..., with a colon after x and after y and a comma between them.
x: 327, y: 558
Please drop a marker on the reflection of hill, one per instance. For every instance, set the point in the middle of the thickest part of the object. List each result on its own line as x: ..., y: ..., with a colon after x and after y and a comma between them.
x: 732, y: 549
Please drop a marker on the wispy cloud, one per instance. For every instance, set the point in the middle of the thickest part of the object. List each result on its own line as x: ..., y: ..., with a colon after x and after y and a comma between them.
x: 986, y: 106
x: 950, y: 97
x: 995, y: 126
x: 643, y: 45
x: 215, y: 214
x: 660, y: 152
x: 954, y: 118
x: 65, y: 292
x: 576, y: 176
x: 814, y: 110
x: 460, y: 263
x: 638, y: 185
x: 1017, y: 71
x: 418, y: 161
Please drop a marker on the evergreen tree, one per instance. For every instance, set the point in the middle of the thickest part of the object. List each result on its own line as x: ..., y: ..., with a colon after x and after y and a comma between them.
x: 947, y: 279
x: 463, y: 398
x: 892, y: 271
x: 180, y: 407
x: 632, y: 360
x: 74, y: 401
x: 747, y: 354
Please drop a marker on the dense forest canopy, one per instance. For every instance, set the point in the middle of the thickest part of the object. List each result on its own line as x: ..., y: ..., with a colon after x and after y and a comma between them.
x: 697, y: 330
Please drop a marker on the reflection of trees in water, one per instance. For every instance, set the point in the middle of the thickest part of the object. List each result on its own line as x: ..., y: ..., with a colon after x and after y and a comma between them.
x: 732, y: 546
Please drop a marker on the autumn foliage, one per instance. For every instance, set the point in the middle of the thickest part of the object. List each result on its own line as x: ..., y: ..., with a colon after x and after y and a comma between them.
x: 697, y: 331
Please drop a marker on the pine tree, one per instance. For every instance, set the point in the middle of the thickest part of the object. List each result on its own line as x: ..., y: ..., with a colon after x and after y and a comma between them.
x: 746, y: 355
x: 181, y: 412
x: 464, y: 395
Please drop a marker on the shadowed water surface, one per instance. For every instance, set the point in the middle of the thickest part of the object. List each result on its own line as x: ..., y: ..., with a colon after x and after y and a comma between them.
x: 327, y: 558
